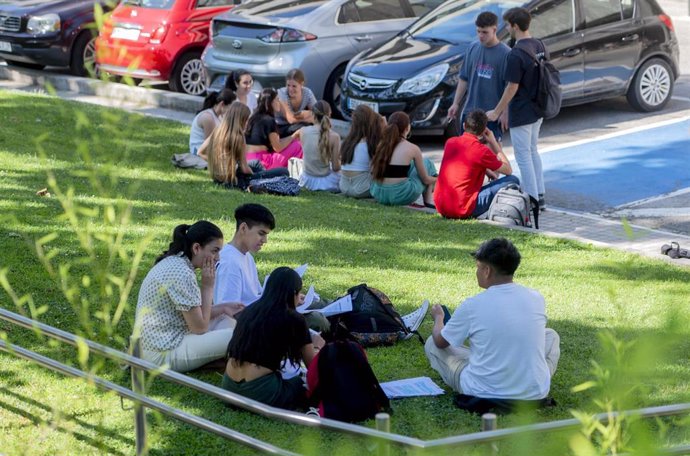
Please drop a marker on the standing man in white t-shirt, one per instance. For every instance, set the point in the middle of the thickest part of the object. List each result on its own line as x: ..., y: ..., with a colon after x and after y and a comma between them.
x: 511, y: 354
x: 237, y: 279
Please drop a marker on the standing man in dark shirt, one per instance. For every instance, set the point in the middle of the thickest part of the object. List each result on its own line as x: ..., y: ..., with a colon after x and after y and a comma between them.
x: 482, y: 74
x: 522, y: 78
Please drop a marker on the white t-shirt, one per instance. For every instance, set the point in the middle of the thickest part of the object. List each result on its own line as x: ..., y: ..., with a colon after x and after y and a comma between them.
x: 505, y: 325
x: 236, y: 277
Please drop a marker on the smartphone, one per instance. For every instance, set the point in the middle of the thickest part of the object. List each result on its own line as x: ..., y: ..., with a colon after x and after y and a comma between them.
x: 446, y: 314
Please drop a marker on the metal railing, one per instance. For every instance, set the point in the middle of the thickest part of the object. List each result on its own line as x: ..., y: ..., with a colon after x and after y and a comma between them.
x: 382, y: 435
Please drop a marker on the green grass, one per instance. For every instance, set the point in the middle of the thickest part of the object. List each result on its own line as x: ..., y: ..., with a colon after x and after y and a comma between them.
x: 409, y: 255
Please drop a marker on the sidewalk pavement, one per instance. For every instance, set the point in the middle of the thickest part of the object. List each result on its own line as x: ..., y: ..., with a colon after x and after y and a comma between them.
x: 555, y: 222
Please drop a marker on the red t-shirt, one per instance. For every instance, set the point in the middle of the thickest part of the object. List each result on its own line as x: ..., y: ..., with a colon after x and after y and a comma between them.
x: 464, y: 164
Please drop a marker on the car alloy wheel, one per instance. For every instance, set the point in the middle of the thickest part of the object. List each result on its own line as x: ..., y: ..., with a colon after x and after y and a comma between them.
x: 89, y: 56
x: 192, y: 77
x: 655, y: 85
x: 652, y: 86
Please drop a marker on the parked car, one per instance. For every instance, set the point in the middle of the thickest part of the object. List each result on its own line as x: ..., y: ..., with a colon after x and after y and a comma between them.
x: 269, y: 37
x: 40, y: 33
x: 602, y: 48
x: 159, y: 40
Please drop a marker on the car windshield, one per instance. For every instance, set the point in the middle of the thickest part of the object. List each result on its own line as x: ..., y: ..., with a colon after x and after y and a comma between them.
x: 156, y: 4
x: 453, y: 21
x: 278, y: 8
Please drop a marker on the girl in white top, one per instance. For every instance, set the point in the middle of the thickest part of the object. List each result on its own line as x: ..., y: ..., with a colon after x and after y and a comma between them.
x: 241, y: 82
x: 321, y: 148
x: 176, y: 321
x: 356, y: 151
x: 214, y: 107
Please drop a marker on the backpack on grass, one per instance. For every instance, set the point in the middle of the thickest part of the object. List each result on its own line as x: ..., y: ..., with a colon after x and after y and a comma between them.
x: 373, y: 320
x: 512, y: 206
x: 343, y: 385
x: 548, y: 100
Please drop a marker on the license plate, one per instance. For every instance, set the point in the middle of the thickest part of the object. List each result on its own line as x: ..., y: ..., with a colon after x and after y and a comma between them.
x: 352, y: 103
x: 5, y: 46
x: 125, y: 33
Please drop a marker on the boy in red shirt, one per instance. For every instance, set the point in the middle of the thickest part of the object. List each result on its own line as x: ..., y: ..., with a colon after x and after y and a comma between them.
x: 466, y: 160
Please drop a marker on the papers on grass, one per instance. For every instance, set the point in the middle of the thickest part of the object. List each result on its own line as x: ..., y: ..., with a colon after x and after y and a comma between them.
x: 411, y: 387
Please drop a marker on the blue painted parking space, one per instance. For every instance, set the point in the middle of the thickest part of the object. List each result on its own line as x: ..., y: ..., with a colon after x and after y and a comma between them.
x: 622, y: 169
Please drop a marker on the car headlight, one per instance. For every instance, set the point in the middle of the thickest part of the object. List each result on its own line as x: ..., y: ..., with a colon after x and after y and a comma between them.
x: 425, y: 81
x: 40, y: 25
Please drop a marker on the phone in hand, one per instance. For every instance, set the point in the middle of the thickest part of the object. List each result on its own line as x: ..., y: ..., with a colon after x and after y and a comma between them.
x: 446, y: 314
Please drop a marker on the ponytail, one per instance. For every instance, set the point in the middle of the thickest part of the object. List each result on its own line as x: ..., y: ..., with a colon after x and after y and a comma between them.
x: 210, y: 101
x: 322, y: 112
x: 391, y: 137
x: 185, y: 236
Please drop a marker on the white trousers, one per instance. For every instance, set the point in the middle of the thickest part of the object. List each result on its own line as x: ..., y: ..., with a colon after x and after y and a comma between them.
x: 524, y: 139
x: 195, y: 350
x: 450, y: 361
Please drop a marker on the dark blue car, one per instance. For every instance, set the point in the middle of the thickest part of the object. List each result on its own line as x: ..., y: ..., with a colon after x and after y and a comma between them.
x: 603, y: 49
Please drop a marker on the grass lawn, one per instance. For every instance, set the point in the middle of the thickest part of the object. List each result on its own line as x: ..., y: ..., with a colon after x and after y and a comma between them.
x: 111, y: 159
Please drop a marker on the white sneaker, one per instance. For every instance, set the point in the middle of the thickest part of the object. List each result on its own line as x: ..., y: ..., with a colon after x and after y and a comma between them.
x: 414, y: 320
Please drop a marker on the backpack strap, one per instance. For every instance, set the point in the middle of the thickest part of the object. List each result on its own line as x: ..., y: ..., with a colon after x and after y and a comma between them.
x: 534, y: 204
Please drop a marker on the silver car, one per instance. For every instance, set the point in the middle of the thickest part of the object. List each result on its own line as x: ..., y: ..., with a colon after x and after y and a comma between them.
x: 269, y: 37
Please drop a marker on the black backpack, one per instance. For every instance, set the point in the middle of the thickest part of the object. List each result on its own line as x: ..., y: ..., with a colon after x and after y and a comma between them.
x: 373, y: 320
x: 343, y: 385
x: 548, y: 100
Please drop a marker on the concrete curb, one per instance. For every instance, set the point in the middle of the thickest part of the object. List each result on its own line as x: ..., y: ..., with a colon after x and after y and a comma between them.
x: 86, y: 86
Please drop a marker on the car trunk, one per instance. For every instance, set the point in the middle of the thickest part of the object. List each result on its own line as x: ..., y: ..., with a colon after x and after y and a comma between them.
x: 136, y: 26
x: 238, y: 39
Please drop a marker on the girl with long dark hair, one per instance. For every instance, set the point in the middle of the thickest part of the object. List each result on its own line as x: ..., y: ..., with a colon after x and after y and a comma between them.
x: 225, y: 151
x: 400, y: 173
x: 241, y: 82
x: 269, y: 334
x: 356, y: 151
x: 176, y: 321
x: 321, y: 147
x: 263, y: 142
x: 206, y: 120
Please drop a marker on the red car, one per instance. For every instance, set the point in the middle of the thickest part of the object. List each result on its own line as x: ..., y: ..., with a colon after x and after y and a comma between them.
x: 159, y: 40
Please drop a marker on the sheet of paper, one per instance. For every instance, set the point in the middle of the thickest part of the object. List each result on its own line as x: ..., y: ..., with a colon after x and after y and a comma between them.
x: 338, y: 306
x: 263, y: 287
x: 411, y: 387
x: 301, y: 269
x: 308, y: 300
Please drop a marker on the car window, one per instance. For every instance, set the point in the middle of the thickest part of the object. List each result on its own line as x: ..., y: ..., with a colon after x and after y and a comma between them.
x: 552, y: 18
x: 454, y: 20
x: 274, y: 8
x: 421, y: 7
x: 210, y: 3
x: 600, y: 12
x: 373, y: 10
x: 155, y: 4
x: 628, y: 8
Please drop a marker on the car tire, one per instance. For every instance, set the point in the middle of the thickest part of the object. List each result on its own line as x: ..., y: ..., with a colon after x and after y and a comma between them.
x: 83, y: 59
x: 31, y: 66
x: 188, y: 75
x: 652, y: 86
x: 333, y: 92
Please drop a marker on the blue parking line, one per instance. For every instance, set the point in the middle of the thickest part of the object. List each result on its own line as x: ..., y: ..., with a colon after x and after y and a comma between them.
x: 623, y: 169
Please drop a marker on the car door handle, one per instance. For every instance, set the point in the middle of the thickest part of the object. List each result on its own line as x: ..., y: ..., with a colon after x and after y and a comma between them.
x: 632, y: 37
x: 363, y: 38
x: 572, y: 52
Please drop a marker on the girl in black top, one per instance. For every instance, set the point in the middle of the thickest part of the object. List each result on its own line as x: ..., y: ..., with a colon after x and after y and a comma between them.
x: 263, y: 142
x: 269, y: 333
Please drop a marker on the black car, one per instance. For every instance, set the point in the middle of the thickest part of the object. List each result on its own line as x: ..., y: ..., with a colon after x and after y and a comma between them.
x: 603, y: 49
x: 39, y: 33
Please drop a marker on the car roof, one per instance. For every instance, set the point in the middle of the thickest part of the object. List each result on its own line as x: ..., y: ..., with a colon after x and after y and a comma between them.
x: 293, y: 11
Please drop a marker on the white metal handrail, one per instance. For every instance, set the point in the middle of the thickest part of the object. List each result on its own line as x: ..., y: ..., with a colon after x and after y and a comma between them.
x: 483, y: 437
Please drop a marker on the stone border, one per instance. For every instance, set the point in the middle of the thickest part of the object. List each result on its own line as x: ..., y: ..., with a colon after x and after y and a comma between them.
x: 95, y: 87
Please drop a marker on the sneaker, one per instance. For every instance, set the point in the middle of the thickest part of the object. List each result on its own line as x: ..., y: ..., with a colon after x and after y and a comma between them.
x: 414, y: 320
x: 542, y: 203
